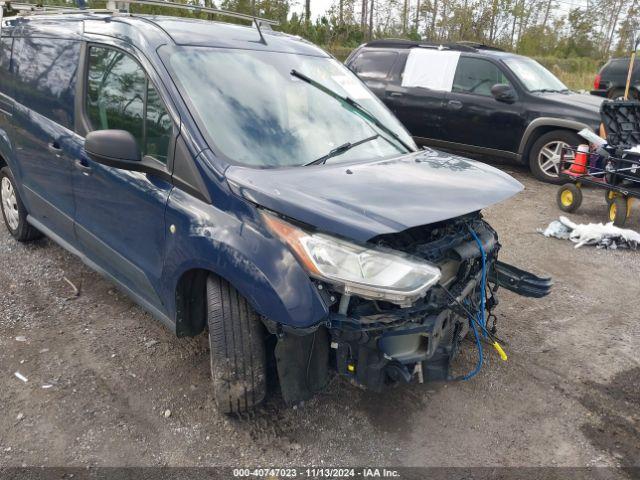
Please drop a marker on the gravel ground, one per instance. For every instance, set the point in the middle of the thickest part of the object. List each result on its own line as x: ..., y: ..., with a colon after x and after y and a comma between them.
x: 122, y: 391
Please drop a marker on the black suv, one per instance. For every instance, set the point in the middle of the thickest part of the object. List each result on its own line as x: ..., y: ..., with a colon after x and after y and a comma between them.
x: 477, y: 99
x: 612, y: 79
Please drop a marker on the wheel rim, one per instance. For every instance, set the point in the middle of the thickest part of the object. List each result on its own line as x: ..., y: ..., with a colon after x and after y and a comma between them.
x: 613, y: 210
x: 549, y: 157
x: 10, y: 204
x: 566, y: 197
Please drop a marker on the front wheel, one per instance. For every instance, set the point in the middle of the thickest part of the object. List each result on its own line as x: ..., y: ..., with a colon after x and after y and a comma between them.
x: 238, y: 352
x: 13, y: 211
x: 545, y: 153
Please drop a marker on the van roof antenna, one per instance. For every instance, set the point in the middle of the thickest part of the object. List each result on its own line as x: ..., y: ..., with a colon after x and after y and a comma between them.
x: 259, y: 25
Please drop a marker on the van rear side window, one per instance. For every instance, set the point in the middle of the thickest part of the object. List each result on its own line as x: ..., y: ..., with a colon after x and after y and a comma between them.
x: 46, y: 73
x: 120, y: 97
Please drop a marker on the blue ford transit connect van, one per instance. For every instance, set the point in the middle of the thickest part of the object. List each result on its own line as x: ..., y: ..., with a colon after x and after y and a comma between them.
x: 242, y: 181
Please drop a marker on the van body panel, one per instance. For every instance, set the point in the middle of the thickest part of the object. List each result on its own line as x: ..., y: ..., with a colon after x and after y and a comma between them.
x: 45, y: 75
x: 6, y: 97
x: 362, y: 200
x: 238, y: 249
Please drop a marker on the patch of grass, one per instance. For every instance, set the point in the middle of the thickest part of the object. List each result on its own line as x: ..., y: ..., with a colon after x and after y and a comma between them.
x: 576, y: 73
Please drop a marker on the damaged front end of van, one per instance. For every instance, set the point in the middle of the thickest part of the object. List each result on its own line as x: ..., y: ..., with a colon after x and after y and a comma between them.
x: 401, y: 293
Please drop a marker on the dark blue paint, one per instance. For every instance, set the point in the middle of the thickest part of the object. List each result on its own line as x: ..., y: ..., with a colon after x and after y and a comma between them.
x: 366, y: 199
x: 119, y: 222
x: 44, y: 85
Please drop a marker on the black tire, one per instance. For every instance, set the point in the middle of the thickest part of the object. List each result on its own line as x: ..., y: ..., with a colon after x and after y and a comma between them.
x: 618, y: 211
x: 21, y: 231
x: 618, y: 94
x: 554, y: 137
x: 569, y: 198
x: 238, y: 352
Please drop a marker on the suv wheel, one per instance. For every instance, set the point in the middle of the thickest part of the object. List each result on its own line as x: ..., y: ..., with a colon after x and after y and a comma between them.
x: 13, y: 211
x: 544, y: 156
x: 238, y: 352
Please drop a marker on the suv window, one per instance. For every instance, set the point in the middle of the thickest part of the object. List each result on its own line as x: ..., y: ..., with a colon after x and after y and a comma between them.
x: 120, y: 96
x: 374, y: 64
x: 477, y: 76
x: 619, y: 66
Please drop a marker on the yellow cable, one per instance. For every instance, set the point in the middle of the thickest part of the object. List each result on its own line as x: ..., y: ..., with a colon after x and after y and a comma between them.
x: 500, y: 351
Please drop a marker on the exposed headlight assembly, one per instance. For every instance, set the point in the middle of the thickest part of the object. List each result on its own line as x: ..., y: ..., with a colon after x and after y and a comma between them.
x: 373, y: 273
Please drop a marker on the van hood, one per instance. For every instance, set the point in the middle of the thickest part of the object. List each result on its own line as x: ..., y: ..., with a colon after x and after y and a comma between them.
x: 365, y: 199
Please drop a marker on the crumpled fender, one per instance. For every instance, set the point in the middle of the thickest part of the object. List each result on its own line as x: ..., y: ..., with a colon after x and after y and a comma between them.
x: 258, y: 265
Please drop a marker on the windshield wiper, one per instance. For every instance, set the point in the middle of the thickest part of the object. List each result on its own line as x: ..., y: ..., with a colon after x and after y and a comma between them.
x: 340, y: 150
x: 363, y: 112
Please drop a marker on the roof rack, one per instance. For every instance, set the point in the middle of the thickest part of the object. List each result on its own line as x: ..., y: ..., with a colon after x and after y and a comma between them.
x: 479, y: 46
x: 458, y: 46
x: 33, y: 9
x: 404, y: 43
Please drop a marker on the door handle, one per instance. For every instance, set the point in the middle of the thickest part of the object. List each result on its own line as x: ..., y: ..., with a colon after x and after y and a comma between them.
x: 395, y: 94
x: 83, y: 167
x: 454, y: 105
x: 55, y: 148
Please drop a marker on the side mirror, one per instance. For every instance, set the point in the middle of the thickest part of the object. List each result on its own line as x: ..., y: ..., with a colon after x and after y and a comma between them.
x: 503, y: 93
x: 114, y: 148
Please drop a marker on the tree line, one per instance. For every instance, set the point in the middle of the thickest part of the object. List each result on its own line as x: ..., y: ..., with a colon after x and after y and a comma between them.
x: 596, y: 29
x: 561, y: 28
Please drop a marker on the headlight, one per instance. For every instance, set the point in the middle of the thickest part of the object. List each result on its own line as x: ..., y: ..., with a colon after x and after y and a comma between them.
x: 373, y: 273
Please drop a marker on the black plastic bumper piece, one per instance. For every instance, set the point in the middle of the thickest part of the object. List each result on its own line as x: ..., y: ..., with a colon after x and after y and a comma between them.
x: 519, y: 281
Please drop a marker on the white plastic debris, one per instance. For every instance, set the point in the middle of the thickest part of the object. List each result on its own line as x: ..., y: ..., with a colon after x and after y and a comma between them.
x: 598, y: 234
x: 20, y: 376
x: 47, y: 386
x: 20, y: 416
x: 167, y: 413
x: 592, y: 137
x: 21, y: 338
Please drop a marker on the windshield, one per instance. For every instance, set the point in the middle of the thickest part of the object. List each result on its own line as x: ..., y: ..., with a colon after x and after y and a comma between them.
x: 255, y: 112
x: 534, y: 76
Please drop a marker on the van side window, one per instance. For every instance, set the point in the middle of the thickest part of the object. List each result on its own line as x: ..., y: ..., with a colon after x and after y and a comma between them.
x: 477, y: 76
x: 5, y: 57
x: 374, y: 64
x: 45, y: 73
x: 120, y: 96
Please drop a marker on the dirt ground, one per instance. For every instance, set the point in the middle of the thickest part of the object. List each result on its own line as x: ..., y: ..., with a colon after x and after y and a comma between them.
x: 569, y: 394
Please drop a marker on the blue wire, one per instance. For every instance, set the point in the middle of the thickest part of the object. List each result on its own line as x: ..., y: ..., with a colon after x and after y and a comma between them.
x: 483, y: 280
x: 481, y: 317
x: 472, y: 374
